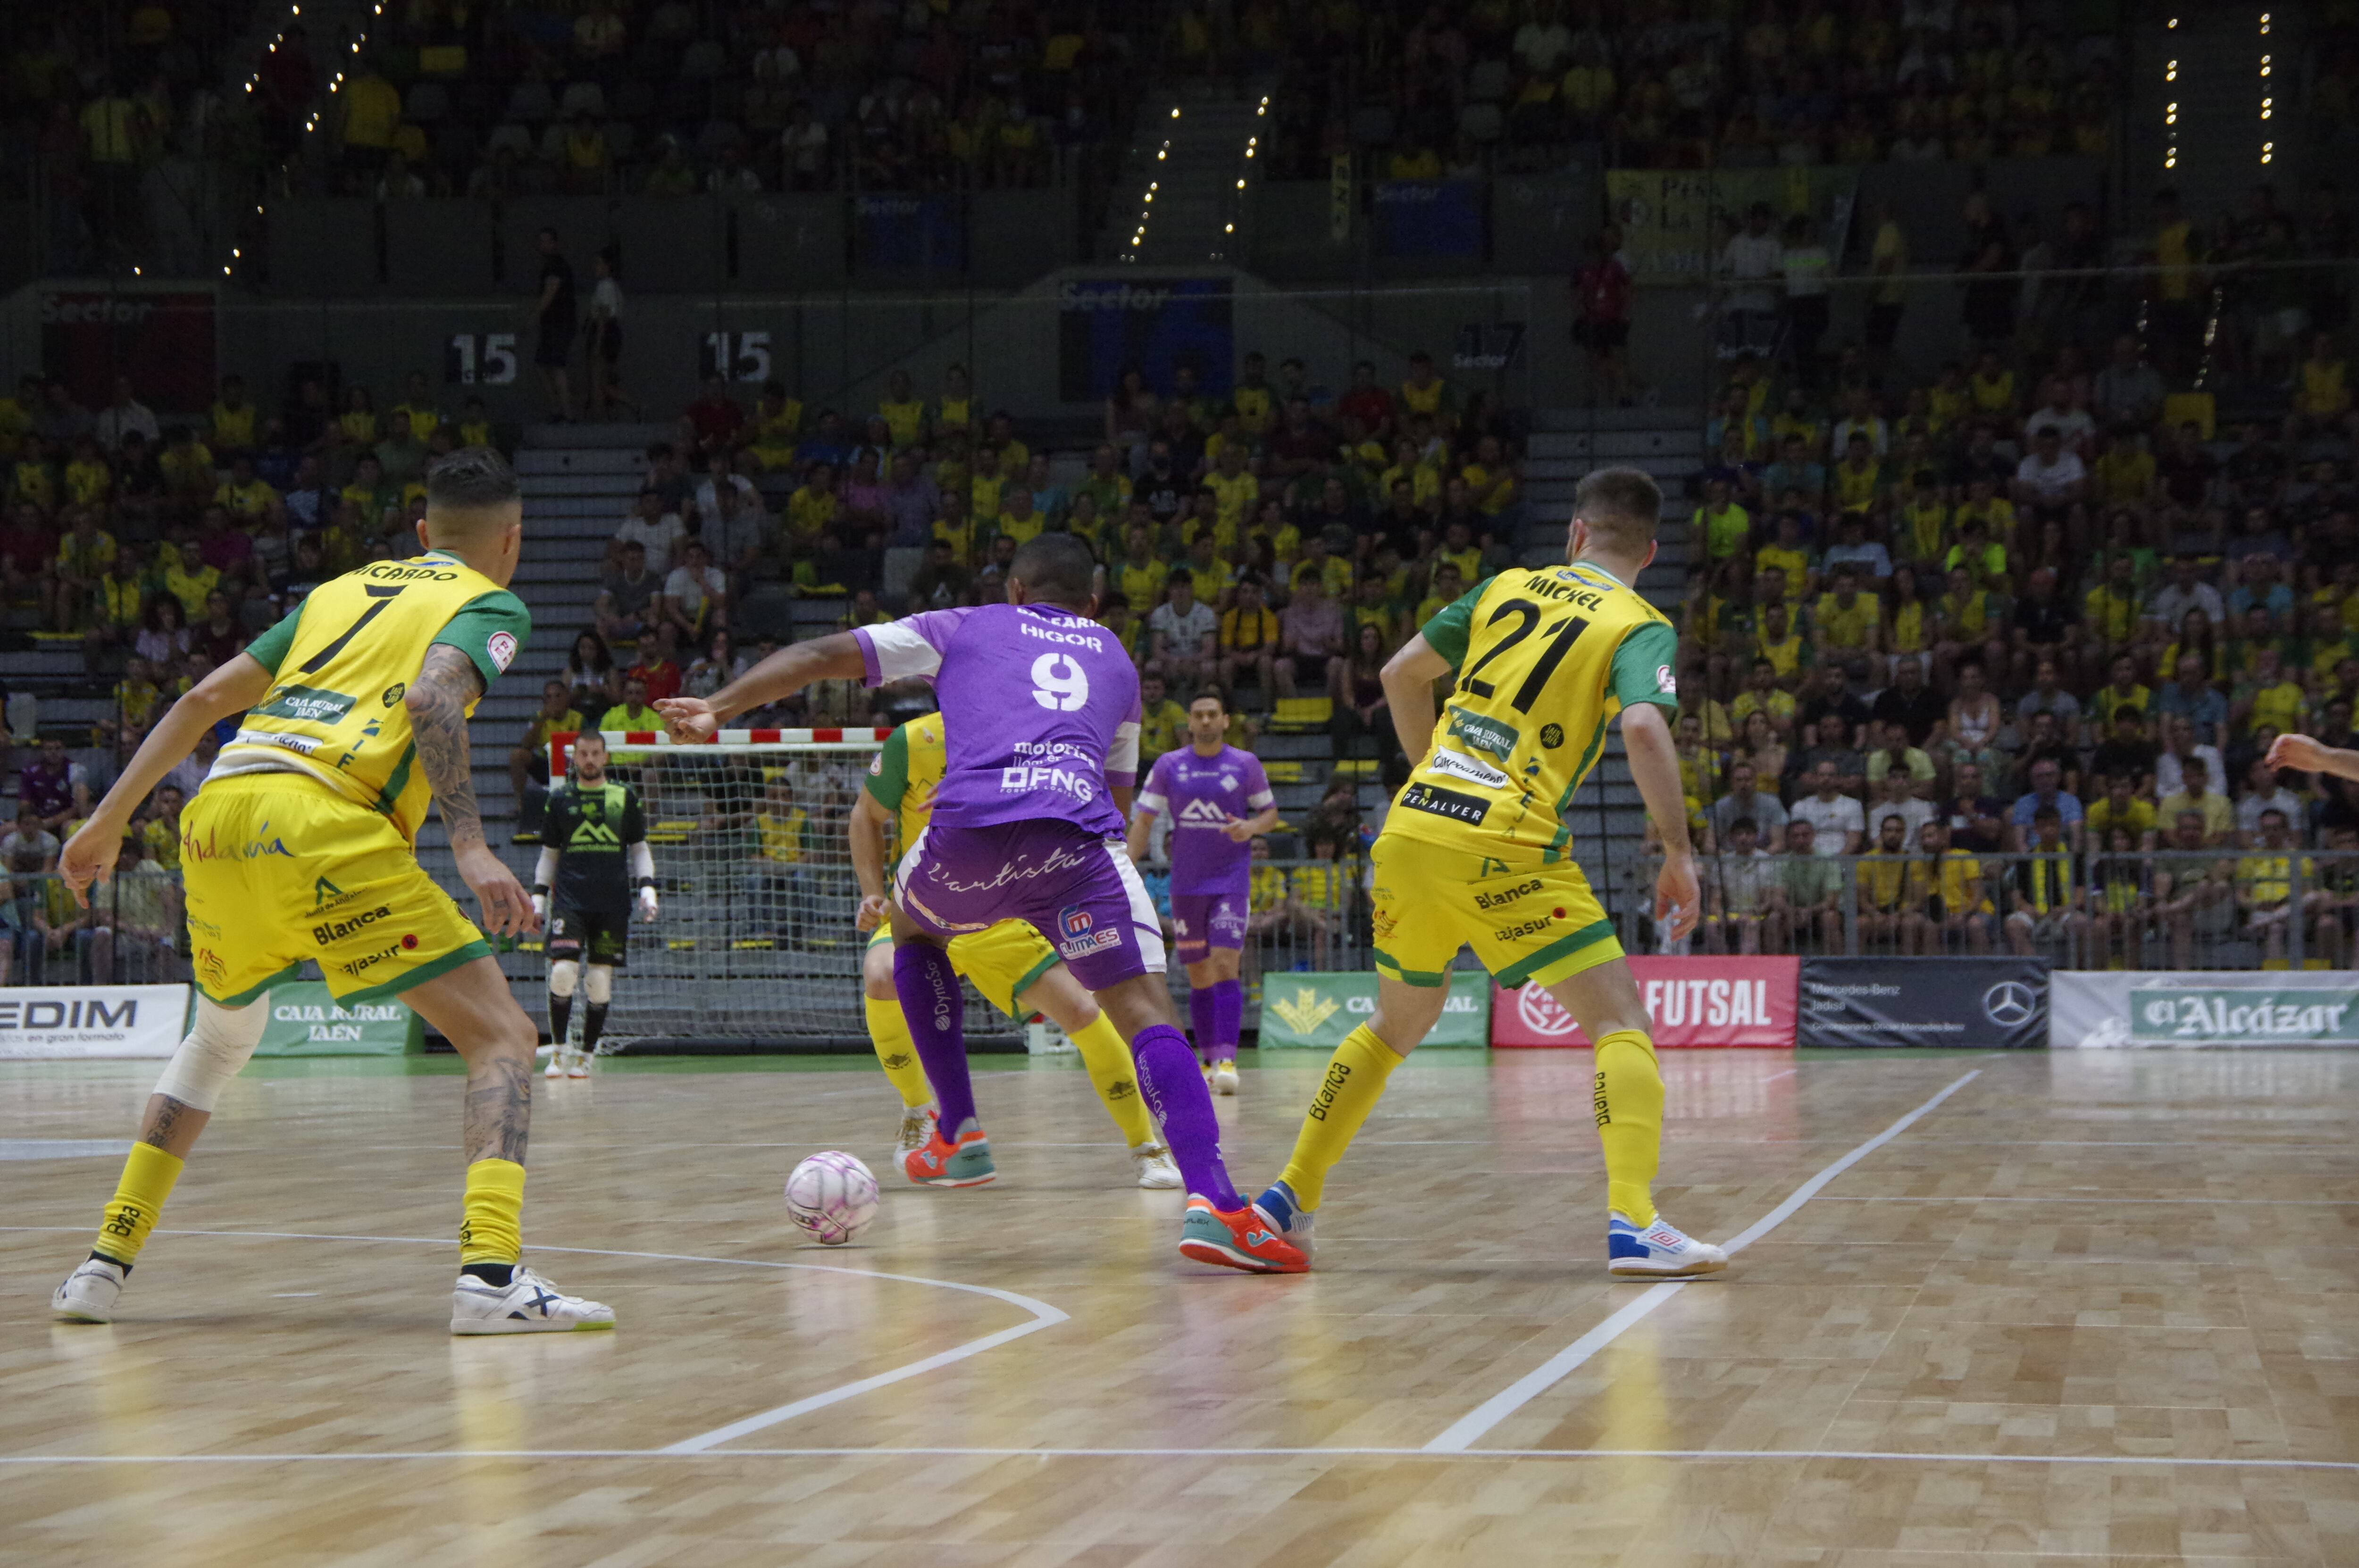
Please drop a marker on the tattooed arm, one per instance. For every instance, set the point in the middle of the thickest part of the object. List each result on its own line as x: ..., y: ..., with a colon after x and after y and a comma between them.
x: 437, y: 704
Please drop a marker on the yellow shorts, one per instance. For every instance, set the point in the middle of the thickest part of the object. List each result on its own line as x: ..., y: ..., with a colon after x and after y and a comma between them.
x: 1003, y: 961
x: 278, y: 869
x: 1536, y: 923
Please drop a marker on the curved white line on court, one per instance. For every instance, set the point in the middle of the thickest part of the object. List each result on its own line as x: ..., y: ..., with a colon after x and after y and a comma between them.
x: 1043, y: 1317
x: 1461, y: 1432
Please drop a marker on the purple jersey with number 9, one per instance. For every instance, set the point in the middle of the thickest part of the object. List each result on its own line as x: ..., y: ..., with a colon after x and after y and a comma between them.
x: 1039, y: 710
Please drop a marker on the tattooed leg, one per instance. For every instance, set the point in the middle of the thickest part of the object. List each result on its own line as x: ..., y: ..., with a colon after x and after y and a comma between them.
x: 172, y: 1125
x: 499, y: 1109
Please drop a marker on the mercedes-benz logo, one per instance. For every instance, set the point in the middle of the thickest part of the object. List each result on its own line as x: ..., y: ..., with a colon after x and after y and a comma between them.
x: 2008, y: 1003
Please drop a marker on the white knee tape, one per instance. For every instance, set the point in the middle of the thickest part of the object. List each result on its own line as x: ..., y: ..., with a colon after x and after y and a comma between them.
x: 216, y: 1047
x: 562, y: 976
x: 600, y: 986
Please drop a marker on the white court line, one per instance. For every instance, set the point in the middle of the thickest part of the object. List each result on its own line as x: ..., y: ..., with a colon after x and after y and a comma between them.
x: 2109, y: 1199
x: 1697, y: 1455
x: 1462, y: 1432
x: 1043, y: 1317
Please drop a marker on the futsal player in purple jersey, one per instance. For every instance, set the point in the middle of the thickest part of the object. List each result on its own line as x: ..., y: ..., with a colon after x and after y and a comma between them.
x: 1217, y: 799
x: 1041, y: 738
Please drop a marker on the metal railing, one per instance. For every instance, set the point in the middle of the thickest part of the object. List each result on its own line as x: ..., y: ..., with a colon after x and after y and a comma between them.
x: 2226, y: 908
x: 131, y: 933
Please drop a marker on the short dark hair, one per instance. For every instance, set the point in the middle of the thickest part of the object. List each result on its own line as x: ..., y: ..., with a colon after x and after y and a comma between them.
x: 1056, y: 567
x: 471, y: 478
x: 1625, y: 503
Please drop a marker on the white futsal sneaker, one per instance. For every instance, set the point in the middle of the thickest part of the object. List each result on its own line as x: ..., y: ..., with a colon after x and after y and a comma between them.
x: 1225, y: 1078
x: 556, y: 1069
x: 577, y: 1064
x: 916, y: 1131
x: 528, y: 1304
x: 1156, y: 1171
x: 88, y: 1295
x: 1657, y: 1251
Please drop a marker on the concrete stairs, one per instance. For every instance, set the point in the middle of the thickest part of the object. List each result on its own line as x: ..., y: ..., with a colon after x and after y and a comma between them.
x: 1176, y: 200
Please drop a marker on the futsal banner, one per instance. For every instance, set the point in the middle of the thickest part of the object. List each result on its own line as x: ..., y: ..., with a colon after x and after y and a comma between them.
x: 73, y: 1021
x: 1314, y: 1011
x: 1982, y: 1004
x: 1107, y: 324
x: 305, y: 1021
x: 2104, y: 1011
x: 1695, y: 1002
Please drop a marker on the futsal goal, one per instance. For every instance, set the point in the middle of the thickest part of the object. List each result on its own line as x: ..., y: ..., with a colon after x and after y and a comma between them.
x: 754, y: 946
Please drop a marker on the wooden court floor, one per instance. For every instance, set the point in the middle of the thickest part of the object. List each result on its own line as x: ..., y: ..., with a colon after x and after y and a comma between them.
x: 2079, y: 1308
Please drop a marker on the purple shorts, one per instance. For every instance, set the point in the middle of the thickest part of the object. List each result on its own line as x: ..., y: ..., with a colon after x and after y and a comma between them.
x: 1205, y: 921
x: 1076, y: 888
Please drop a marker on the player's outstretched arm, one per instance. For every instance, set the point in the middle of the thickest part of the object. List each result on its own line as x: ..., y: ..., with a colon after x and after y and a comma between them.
x: 437, y: 704
x: 232, y: 689
x: 1408, y: 676
x: 1654, y: 767
x: 836, y: 656
x: 2301, y: 754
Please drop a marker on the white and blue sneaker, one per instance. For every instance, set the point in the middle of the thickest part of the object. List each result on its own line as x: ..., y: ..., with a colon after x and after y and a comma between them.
x: 1287, y: 1214
x: 88, y: 1295
x: 1657, y: 1251
x: 528, y: 1304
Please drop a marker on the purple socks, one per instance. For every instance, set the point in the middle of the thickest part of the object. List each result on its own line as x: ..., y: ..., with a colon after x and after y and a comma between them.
x: 1174, y: 1086
x: 1204, y: 1022
x: 1215, y: 1013
x: 1228, y: 1017
x: 931, y: 1000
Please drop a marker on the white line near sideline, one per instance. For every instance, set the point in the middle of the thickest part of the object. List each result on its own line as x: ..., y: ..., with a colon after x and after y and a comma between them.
x: 1462, y: 1432
x: 1043, y: 1317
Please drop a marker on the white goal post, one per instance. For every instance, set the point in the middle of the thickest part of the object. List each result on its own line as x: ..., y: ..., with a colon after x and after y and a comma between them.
x: 754, y: 947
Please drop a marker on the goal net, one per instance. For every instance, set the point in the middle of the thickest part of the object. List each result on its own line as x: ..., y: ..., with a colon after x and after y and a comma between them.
x: 754, y: 945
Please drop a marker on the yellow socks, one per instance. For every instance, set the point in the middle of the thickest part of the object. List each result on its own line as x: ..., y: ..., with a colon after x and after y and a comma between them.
x: 1354, y: 1082
x: 1629, y: 1106
x: 130, y: 1214
x: 1115, y: 1078
x: 492, y: 1230
x: 888, y: 1032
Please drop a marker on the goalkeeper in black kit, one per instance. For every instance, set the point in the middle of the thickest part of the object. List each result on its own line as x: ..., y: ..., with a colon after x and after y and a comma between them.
x: 593, y: 852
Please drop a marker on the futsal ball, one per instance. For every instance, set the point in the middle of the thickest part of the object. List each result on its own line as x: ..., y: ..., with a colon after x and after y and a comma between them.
x: 833, y: 1196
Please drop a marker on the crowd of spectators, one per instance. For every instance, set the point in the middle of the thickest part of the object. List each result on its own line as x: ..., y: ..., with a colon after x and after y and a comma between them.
x: 1424, y: 89
x: 673, y: 99
x: 1278, y: 539
x: 2022, y: 633
x: 108, y: 115
x: 160, y: 548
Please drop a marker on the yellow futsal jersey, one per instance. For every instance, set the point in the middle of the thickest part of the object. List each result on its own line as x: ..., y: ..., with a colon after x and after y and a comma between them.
x: 1545, y: 659
x: 344, y: 658
x: 904, y: 773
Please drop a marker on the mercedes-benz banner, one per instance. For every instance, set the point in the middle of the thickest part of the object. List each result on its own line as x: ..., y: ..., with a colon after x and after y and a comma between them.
x: 1969, y: 1003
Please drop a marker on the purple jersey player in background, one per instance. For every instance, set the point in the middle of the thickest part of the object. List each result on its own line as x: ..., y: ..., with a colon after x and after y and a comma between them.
x: 1216, y: 799
x: 1040, y: 735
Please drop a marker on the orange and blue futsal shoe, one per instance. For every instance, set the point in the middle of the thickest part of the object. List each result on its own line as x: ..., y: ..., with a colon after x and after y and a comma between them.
x: 1241, y: 1238
x: 942, y: 1162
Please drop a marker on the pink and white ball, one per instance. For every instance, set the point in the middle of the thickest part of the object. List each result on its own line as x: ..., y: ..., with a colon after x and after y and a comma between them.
x: 833, y: 1196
